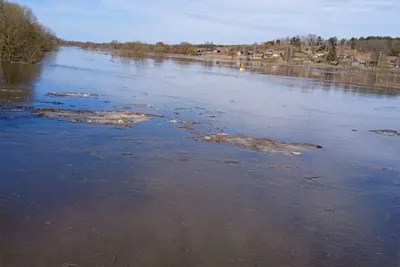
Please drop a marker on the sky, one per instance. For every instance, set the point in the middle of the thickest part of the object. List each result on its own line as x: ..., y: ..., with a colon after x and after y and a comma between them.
x: 218, y: 21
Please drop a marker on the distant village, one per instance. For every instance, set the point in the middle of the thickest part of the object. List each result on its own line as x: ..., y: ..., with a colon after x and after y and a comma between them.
x: 304, y: 56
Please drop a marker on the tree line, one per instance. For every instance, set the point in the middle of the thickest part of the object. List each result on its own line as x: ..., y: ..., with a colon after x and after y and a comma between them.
x: 387, y: 45
x: 22, y: 38
x: 137, y: 48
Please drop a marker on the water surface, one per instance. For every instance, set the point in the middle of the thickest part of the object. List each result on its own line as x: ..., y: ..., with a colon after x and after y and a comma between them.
x: 151, y: 195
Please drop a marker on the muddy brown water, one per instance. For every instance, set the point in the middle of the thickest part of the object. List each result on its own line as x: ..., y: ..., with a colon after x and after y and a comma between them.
x: 81, y: 194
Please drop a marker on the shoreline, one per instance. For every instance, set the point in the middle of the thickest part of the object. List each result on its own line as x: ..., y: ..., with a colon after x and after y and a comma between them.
x: 323, y: 67
x: 227, y: 58
x: 373, y: 80
x: 261, y: 61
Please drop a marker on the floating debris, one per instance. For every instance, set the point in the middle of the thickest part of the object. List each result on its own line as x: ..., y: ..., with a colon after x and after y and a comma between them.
x: 94, y: 117
x: 184, y: 122
x: 386, y: 132
x: 232, y: 162
x: 133, y: 106
x: 260, y: 144
x: 126, y: 154
x: 184, y: 127
x: 68, y: 94
x: 141, y: 106
x: 51, y: 102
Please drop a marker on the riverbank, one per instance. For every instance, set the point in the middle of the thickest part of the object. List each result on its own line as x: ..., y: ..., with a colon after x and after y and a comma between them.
x: 372, y: 78
x: 244, y: 59
x: 235, y: 58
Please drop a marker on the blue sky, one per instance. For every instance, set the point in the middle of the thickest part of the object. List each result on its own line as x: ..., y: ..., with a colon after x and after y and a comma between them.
x: 220, y: 21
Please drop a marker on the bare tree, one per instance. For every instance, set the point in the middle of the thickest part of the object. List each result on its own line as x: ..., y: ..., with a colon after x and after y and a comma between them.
x: 22, y: 37
x: 311, y: 39
x: 186, y: 48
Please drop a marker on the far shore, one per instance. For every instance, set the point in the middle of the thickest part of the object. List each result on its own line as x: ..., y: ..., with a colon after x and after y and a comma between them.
x: 244, y: 59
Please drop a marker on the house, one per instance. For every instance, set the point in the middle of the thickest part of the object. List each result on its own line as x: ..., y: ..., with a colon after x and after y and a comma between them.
x: 239, y: 53
x: 358, y: 63
x: 258, y: 56
x: 341, y: 55
x: 319, y: 55
x: 276, y: 55
x: 363, y: 63
x: 394, y: 63
x: 217, y: 51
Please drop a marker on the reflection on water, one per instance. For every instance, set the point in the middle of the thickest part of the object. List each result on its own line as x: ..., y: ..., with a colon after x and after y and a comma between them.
x: 92, y: 195
x: 17, y: 82
x: 375, y: 82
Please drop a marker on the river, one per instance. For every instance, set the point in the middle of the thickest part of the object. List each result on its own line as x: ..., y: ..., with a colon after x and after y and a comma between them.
x: 156, y: 194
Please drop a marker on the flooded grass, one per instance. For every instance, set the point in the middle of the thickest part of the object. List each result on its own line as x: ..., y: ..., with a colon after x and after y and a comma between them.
x: 94, y: 117
x: 78, y: 95
x: 260, y: 144
x: 386, y: 132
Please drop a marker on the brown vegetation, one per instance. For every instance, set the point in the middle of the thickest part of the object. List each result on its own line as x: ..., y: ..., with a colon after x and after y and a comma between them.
x: 94, y: 117
x: 137, y: 49
x: 299, y: 50
x: 260, y: 144
x: 22, y: 37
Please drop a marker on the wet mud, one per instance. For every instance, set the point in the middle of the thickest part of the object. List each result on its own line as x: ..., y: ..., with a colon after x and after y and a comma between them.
x: 94, y: 117
x: 261, y: 144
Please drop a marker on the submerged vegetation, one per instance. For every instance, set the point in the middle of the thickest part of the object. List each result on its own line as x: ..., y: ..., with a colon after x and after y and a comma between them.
x: 22, y: 38
x: 137, y: 49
